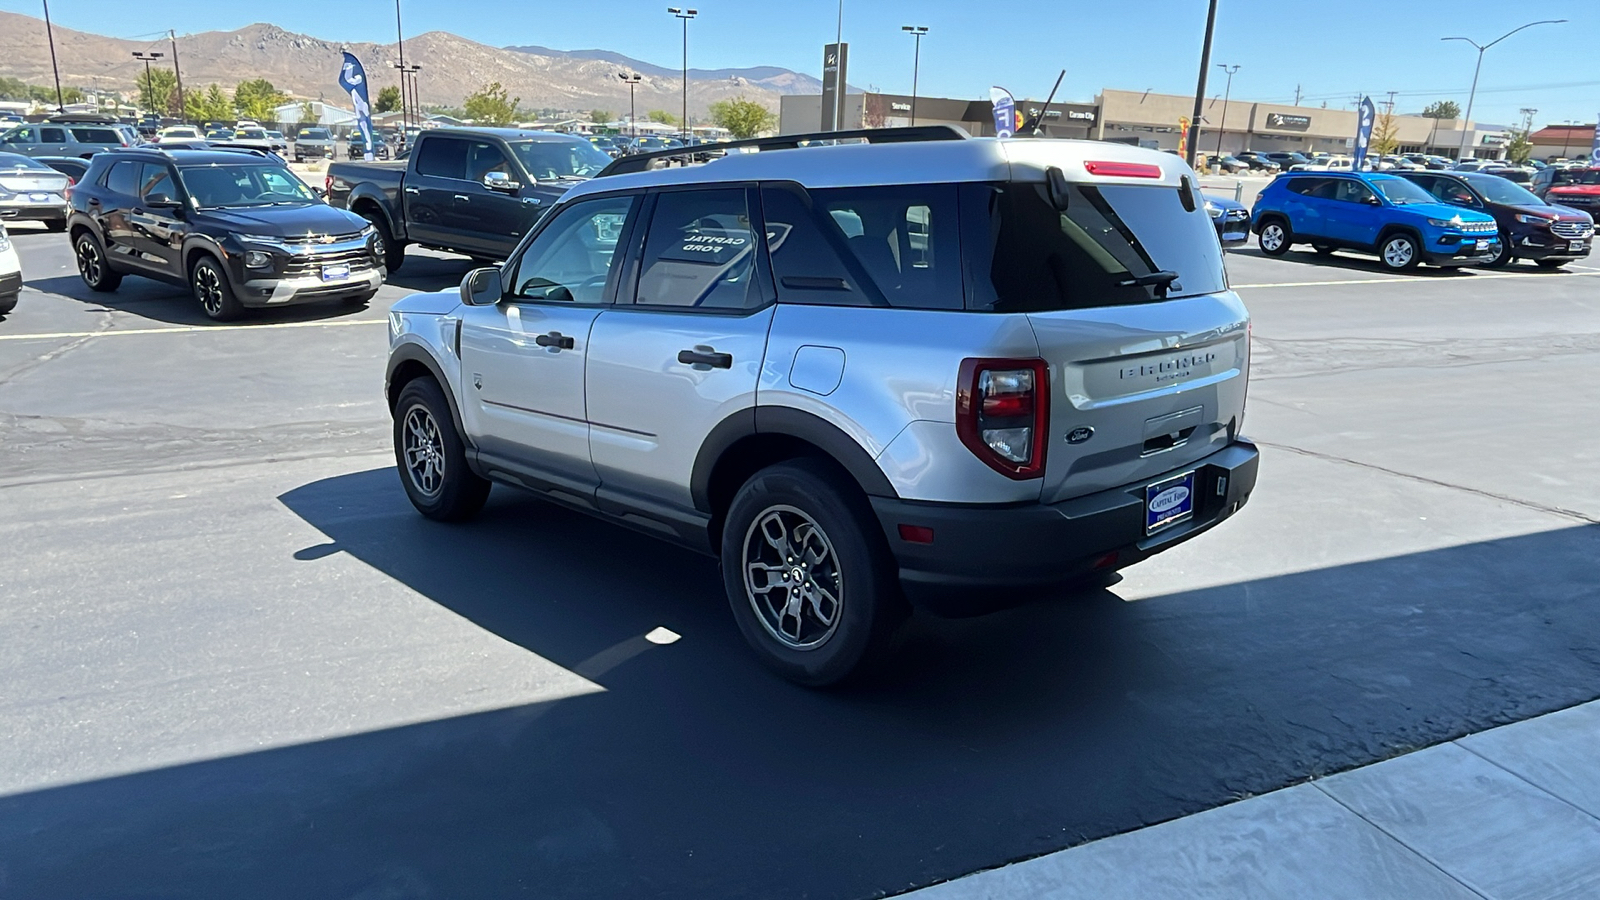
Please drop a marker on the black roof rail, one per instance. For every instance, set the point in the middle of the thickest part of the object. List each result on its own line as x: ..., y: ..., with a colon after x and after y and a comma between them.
x: 640, y: 162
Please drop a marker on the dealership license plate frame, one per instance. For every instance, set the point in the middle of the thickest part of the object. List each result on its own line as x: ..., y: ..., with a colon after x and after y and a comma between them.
x: 1575, y: 246
x: 1155, y: 521
x: 336, y: 273
x: 1481, y: 245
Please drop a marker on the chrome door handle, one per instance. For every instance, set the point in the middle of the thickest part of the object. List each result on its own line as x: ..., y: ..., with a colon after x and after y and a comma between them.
x: 411, y: 190
x: 463, y: 198
x: 555, y: 339
x: 706, y: 357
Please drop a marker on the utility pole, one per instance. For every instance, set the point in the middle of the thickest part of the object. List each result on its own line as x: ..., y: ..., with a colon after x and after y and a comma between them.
x: 1227, y: 93
x: 1297, y: 95
x: 400, y: 43
x: 1200, y: 89
x: 685, y: 15
x: 50, y: 35
x: 916, y: 31
x: 183, y: 111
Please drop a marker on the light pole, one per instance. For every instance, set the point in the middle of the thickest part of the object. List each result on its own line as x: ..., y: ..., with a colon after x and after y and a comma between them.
x: 1227, y: 93
x: 685, y: 15
x: 632, y: 80
x: 916, y: 31
x: 183, y: 111
x: 1566, y: 135
x: 50, y: 35
x: 149, y: 86
x: 400, y: 44
x: 1192, y: 139
x: 1461, y: 150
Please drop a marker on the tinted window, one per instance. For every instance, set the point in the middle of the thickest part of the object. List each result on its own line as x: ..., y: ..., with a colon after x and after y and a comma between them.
x: 1351, y: 191
x: 97, y: 135
x: 123, y: 178
x: 443, y: 157
x: 482, y: 159
x: 809, y: 253
x: 700, y: 252
x: 1108, y: 248
x: 571, y: 259
x: 214, y: 186
x: 154, y: 179
x: 1306, y: 186
x: 905, y: 238
x: 52, y: 135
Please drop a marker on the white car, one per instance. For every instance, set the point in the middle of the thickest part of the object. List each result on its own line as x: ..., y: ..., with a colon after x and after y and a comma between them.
x: 180, y: 133
x: 10, y: 273
x: 1330, y: 164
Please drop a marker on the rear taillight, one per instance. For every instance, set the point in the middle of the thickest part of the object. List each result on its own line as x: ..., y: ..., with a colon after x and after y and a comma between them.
x: 327, y: 185
x: 70, y: 183
x: 1002, y: 413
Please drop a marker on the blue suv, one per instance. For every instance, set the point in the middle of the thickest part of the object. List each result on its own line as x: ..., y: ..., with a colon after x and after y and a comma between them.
x: 1375, y: 213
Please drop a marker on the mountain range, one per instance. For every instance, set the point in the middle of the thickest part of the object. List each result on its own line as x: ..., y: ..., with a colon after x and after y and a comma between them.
x: 307, y: 67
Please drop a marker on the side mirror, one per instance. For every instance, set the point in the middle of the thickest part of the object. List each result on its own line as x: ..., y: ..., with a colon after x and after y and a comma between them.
x: 162, y: 201
x: 1372, y: 201
x: 481, y: 287
x: 500, y: 181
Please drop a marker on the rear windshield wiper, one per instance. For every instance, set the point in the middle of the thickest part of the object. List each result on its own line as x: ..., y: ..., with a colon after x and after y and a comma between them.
x: 1161, y: 279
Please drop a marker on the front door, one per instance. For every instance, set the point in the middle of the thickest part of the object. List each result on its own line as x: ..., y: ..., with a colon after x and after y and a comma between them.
x: 685, y: 355
x: 430, y: 189
x: 1355, y: 213
x: 486, y: 220
x: 523, y: 359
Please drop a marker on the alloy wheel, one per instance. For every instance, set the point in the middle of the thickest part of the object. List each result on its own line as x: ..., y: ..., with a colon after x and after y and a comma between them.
x: 208, y: 287
x: 792, y: 577
x: 1398, y: 252
x: 89, y: 265
x: 1271, y: 237
x: 424, y: 451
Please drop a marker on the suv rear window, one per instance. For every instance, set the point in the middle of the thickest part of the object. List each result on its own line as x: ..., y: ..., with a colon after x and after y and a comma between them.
x: 1024, y: 255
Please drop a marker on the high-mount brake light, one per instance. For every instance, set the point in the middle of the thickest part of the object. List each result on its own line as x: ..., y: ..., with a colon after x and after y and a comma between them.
x: 1122, y: 169
x: 1003, y: 412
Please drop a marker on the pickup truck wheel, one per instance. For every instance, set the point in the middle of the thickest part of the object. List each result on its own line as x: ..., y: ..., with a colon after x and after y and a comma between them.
x: 431, y: 456
x: 809, y: 577
x: 391, y: 251
x: 211, y: 288
x: 92, y: 267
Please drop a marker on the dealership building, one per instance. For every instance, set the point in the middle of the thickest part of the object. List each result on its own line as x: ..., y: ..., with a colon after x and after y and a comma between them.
x: 1154, y: 120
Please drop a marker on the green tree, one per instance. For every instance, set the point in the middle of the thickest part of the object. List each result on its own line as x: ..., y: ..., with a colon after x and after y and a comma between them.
x: 600, y: 116
x: 387, y: 100
x: 159, y: 92
x: 743, y: 118
x: 1442, y: 109
x: 490, y: 105
x: 208, y: 105
x: 1385, y: 133
x: 13, y: 89
x: 308, y: 114
x: 664, y: 117
x: 257, y: 99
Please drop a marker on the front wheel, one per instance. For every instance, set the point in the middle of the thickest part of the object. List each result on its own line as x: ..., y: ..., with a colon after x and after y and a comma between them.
x: 1399, y: 252
x: 1502, y: 255
x: 389, y: 251
x: 7, y: 304
x: 211, y: 288
x: 92, y: 266
x: 1551, y: 263
x: 1274, y: 238
x: 431, y: 456
x: 809, y: 577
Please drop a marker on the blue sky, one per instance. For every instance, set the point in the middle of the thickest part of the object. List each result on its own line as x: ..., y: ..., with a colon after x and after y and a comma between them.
x: 1365, y: 46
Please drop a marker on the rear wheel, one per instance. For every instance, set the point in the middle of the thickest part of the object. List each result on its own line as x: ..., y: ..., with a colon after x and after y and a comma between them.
x: 1274, y: 238
x: 211, y: 288
x: 1551, y: 263
x: 1399, y: 252
x: 92, y: 267
x: 810, y: 580
x: 431, y: 456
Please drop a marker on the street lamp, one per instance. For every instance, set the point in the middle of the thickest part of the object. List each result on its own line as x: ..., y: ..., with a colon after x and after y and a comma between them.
x: 1226, y: 93
x: 149, y: 86
x: 916, y: 31
x: 685, y: 15
x: 1461, y: 150
x: 632, y: 80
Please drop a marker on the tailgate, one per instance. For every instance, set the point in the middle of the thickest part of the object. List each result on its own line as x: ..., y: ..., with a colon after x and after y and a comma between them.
x: 1140, y: 390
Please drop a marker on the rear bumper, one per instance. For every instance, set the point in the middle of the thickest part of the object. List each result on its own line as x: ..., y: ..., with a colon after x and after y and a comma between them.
x: 985, y: 558
x: 10, y: 284
x: 33, y: 212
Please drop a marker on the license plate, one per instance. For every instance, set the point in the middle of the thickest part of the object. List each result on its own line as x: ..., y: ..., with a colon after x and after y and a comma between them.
x: 1166, y: 503
x: 1483, y: 245
x: 1575, y: 246
x: 335, y: 273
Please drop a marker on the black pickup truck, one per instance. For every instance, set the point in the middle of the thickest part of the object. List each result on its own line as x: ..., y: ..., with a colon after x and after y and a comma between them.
x: 475, y: 191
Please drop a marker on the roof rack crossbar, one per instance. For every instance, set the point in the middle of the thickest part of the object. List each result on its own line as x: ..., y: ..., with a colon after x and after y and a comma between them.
x: 640, y: 162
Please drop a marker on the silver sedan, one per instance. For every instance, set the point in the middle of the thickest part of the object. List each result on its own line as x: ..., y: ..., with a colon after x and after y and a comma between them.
x: 32, y: 191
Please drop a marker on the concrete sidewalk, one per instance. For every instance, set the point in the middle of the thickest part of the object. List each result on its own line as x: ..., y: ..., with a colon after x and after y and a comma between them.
x: 1508, y: 813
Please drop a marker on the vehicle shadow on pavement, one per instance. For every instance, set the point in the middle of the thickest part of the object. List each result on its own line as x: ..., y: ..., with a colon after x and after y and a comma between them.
x: 1355, y: 263
x: 697, y: 774
x: 168, y: 304
x: 426, y: 274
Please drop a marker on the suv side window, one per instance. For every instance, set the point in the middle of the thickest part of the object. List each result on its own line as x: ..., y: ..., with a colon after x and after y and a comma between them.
x: 906, y: 238
x: 24, y: 135
x: 809, y: 253
x: 573, y: 258
x: 123, y: 178
x: 52, y: 135
x: 155, y: 179
x: 1306, y: 186
x: 443, y: 157
x: 1351, y: 191
x: 96, y: 135
x: 700, y: 252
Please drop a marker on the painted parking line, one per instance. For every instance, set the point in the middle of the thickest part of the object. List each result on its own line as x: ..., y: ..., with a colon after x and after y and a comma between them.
x: 1410, y: 279
x: 186, y: 329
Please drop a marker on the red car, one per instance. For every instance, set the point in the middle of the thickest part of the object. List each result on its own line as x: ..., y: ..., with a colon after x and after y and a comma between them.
x: 1573, y: 188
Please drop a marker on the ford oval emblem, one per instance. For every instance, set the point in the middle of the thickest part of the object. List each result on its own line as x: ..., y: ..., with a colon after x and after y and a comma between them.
x: 1170, y: 498
x: 1080, y: 434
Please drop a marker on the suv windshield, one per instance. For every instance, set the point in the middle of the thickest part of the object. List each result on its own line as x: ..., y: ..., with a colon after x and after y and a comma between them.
x: 1401, y: 192
x: 229, y: 186
x: 560, y: 159
x: 1577, y: 176
x: 1114, y: 245
x: 314, y: 134
x: 1499, y: 190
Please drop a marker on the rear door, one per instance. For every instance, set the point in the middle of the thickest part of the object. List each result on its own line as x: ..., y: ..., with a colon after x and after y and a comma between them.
x: 684, y: 354
x: 157, y: 233
x: 430, y: 188
x: 1147, y: 376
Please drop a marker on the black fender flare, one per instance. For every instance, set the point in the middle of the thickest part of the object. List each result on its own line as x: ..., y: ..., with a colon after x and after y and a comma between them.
x: 367, y: 191
x: 414, y: 353
x: 795, y: 423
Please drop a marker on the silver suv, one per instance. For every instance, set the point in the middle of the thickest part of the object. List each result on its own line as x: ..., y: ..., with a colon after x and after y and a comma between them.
x: 950, y: 372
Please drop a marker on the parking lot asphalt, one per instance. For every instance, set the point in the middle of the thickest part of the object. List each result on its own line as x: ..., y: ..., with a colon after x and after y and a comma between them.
x: 237, y: 663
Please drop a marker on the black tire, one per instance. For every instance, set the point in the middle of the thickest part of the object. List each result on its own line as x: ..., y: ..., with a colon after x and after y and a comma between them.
x: 1398, y: 251
x: 1551, y: 263
x: 92, y: 265
x: 1274, y: 237
x: 56, y: 225
x: 1503, y: 257
x: 209, y: 285
x: 831, y: 642
x: 7, y: 304
x: 424, y: 434
x: 1323, y: 249
x: 390, y: 251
